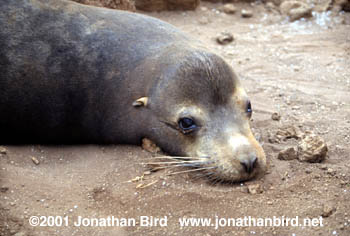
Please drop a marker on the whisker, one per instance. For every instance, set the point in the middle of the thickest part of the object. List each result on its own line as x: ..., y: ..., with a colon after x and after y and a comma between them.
x: 184, y: 158
x: 170, y: 162
x: 206, y: 174
x: 201, y: 175
x: 165, y: 167
x: 215, y: 180
x: 201, y: 165
x: 192, y: 170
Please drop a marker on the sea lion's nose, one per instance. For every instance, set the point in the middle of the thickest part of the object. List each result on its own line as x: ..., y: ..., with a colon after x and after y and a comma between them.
x: 249, y: 164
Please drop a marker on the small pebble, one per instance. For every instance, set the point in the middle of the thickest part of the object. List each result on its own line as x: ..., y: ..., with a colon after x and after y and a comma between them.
x: 288, y: 154
x: 328, y: 210
x: 270, y: 6
x: 4, y: 189
x: 20, y: 234
x: 204, y: 20
x: 324, y: 167
x: 3, y: 150
x: 224, y: 38
x: 331, y: 172
x: 276, y: 116
x: 150, y: 146
x: 255, y: 188
x: 296, y: 9
x: 246, y: 13
x: 35, y: 160
x: 229, y: 8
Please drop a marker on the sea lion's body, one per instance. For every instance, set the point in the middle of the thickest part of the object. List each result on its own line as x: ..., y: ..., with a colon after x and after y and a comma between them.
x: 65, y: 67
x: 70, y: 73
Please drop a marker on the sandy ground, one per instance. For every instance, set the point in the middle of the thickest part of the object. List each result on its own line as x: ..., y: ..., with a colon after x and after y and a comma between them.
x: 300, y: 70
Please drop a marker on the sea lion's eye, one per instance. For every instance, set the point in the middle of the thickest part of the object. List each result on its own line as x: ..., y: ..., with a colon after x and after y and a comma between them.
x: 248, y: 109
x: 187, y: 125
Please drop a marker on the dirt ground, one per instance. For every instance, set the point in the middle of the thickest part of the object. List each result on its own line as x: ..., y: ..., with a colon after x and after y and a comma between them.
x: 300, y: 70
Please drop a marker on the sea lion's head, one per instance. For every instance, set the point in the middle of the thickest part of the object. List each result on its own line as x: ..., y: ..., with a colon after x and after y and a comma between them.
x: 197, y: 108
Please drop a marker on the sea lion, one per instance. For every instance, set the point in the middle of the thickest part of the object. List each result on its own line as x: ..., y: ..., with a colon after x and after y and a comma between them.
x: 71, y: 73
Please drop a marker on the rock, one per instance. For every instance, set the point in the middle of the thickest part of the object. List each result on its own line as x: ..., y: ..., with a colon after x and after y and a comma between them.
x: 288, y: 132
x: 35, y: 160
x: 128, y: 5
x: 4, y: 189
x: 288, y: 154
x: 323, y: 5
x: 272, y: 138
x: 150, y: 146
x: 323, y: 167
x: 182, y: 4
x: 342, y: 5
x: 204, y: 20
x: 255, y: 189
x: 331, y: 172
x: 275, y: 2
x: 246, y: 13
x: 215, y: 1
x: 229, y: 8
x: 151, y: 5
x: 21, y: 233
x: 166, y: 5
x: 312, y: 148
x: 224, y: 38
x: 3, y: 150
x: 276, y: 116
x: 270, y: 5
x: 345, y: 5
x: 295, y: 9
x: 328, y: 210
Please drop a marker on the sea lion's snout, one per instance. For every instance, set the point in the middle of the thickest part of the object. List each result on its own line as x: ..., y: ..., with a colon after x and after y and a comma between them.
x: 249, y: 163
x: 231, y: 157
x: 245, y: 153
x: 249, y: 153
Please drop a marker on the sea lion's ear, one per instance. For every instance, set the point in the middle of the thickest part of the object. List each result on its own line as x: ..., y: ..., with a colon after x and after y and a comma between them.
x: 140, y: 102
